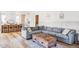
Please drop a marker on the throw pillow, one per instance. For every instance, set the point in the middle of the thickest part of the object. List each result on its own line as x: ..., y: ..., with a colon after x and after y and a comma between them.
x: 29, y: 30
x: 65, y: 32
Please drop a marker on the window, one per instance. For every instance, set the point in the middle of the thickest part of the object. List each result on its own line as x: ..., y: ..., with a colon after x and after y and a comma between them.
x: 3, y: 18
x: 18, y: 20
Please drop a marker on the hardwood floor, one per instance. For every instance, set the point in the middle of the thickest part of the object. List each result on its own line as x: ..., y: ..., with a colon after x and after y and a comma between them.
x: 12, y: 40
x: 15, y: 40
x: 67, y: 45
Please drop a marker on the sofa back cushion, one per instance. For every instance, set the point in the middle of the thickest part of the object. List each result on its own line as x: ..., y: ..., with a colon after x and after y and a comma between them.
x: 49, y: 28
x: 41, y: 27
x: 58, y: 30
x: 54, y: 29
x: 34, y: 28
x: 44, y: 28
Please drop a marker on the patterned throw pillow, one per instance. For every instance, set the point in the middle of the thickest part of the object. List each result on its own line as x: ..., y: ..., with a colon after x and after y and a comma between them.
x: 66, y: 31
x: 29, y: 30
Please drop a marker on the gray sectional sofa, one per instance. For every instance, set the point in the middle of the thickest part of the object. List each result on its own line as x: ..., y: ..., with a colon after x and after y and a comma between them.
x: 68, y: 38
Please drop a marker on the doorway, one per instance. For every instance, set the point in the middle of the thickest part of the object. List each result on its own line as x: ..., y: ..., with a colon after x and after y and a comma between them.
x: 23, y: 18
x: 36, y: 20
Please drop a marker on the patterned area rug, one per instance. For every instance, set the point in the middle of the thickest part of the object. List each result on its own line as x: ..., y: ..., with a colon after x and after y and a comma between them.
x: 35, y: 45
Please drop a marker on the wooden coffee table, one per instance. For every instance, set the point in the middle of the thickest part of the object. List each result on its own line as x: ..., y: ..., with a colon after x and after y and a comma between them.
x: 45, y: 40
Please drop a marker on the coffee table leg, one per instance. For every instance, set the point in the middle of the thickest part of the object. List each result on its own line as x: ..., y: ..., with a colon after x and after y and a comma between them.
x: 55, y: 45
x: 33, y: 41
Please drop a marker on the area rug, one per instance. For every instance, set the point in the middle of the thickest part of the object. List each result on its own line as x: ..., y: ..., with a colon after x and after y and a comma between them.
x: 35, y: 45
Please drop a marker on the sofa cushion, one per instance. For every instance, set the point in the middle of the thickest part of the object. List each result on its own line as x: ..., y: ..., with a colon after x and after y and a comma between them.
x: 53, y: 33
x: 57, y: 30
x: 29, y: 29
x: 61, y: 36
x: 41, y: 27
x: 44, y: 31
x: 37, y: 31
x: 48, y: 28
x: 65, y: 32
x: 34, y: 28
x: 44, y: 28
x: 49, y: 32
x: 56, y: 34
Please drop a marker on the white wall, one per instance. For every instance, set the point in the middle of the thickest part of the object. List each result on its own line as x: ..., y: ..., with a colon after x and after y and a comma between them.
x: 71, y: 19
x: 52, y: 19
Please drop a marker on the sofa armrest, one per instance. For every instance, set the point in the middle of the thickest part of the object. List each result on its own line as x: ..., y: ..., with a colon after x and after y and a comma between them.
x: 71, y: 36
